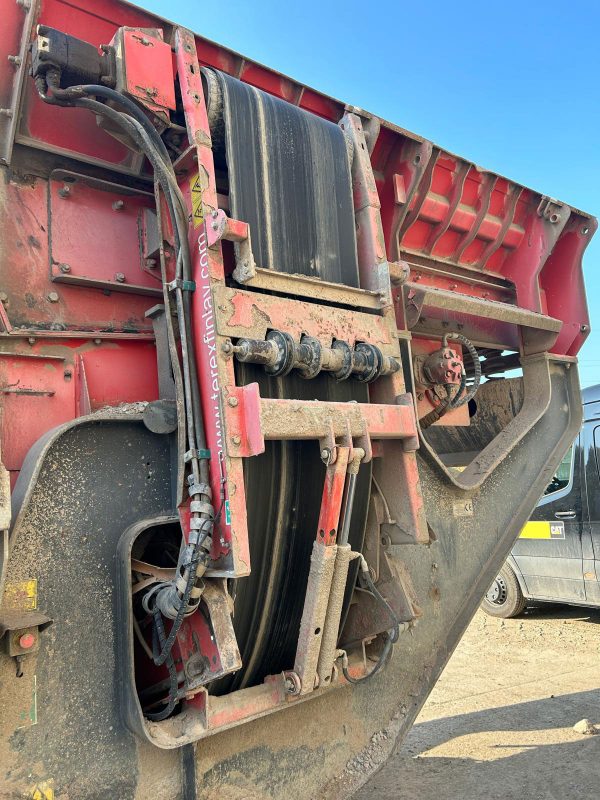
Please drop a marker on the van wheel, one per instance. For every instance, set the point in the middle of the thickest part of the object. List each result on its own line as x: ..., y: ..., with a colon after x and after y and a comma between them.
x: 504, y: 597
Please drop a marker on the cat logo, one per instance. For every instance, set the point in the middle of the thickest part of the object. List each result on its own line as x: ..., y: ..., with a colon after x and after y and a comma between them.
x: 543, y: 530
x: 557, y: 530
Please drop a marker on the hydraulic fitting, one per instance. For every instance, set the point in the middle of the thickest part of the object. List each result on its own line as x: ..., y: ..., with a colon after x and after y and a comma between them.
x: 279, y: 354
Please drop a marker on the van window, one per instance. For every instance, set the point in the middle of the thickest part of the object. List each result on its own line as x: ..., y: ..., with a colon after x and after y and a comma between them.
x: 563, y: 474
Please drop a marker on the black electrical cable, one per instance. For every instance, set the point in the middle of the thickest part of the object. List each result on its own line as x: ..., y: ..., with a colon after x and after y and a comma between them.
x: 158, y: 640
x: 187, y: 358
x: 181, y: 247
x: 196, y: 435
x: 185, y: 315
x: 192, y: 565
x: 393, y: 634
x: 162, y: 167
x: 460, y: 398
x: 147, y: 139
x: 97, y: 90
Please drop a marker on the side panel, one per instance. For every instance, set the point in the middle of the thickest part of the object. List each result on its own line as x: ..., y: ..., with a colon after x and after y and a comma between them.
x: 79, y: 490
x: 548, y: 551
x: 591, y: 456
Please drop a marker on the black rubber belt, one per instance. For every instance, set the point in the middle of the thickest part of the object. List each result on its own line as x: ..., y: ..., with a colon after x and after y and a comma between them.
x: 289, y: 178
x: 189, y: 782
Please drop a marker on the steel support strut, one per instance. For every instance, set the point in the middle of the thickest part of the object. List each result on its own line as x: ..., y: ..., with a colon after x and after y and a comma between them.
x: 322, y: 565
x: 320, y: 626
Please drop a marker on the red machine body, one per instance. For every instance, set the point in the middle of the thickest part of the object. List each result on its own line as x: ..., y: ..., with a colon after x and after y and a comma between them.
x: 491, y: 235
x: 460, y: 273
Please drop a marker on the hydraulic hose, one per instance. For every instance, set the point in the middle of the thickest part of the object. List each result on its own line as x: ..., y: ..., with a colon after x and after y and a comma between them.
x: 393, y: 634
x: 139, y: 129
x: 97, y: 90
x: 458, y: 400
x: 461, y: 397
x: 158, y: 644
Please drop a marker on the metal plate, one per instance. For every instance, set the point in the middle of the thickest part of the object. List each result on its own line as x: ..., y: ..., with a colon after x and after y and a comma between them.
x: 289, y: 178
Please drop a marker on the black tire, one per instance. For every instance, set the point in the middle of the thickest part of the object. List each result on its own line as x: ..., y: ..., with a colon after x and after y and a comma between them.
x: 504, y: 597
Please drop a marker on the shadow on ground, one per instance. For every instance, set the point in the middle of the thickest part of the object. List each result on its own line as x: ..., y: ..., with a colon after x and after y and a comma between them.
x: 557, y: 611
x: 524, y: 749
x: 513, y: 757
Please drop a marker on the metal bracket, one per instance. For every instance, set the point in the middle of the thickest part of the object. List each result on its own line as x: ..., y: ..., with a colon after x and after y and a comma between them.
x: 166, y: 384
x: 21, y: 630
x: 185, y: 286
x: 9, y: 117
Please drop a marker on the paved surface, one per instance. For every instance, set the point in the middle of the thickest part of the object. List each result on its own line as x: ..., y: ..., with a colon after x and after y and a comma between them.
x: 499, y: 724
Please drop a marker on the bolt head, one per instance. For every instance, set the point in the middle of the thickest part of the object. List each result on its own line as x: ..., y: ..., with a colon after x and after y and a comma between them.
x: 53, y: 297
x: 236, y: 439
x: 290, y: 685
x: 232, y: 401
x: 119, y: 277
x: 64, y: 268
x: 3, y: 297
x: 118, y: 205
x: 64, y: 191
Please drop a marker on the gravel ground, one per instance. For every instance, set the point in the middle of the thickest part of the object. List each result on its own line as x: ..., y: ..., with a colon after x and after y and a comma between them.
x: 499, y: 723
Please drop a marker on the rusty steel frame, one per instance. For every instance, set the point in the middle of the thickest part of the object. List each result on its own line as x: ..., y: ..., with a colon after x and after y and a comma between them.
x: 238, y: 421
x: 9, y: 116
x: 238, y: 430
x: 538, y: 331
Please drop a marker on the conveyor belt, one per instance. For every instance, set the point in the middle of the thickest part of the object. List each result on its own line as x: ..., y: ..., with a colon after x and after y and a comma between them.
x: 289, y: 178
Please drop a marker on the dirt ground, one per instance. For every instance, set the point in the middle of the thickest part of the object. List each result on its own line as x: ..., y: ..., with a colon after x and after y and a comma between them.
x: 499, y: 723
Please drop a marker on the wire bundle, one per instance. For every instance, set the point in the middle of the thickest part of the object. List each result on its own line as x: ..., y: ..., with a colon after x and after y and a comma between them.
x: 194, y: 556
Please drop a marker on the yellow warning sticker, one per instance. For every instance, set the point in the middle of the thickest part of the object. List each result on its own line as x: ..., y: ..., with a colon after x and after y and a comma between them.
x: 197, y: 186
x: 543, y: 530
x: 43, y: 791
x: 21, y: 595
